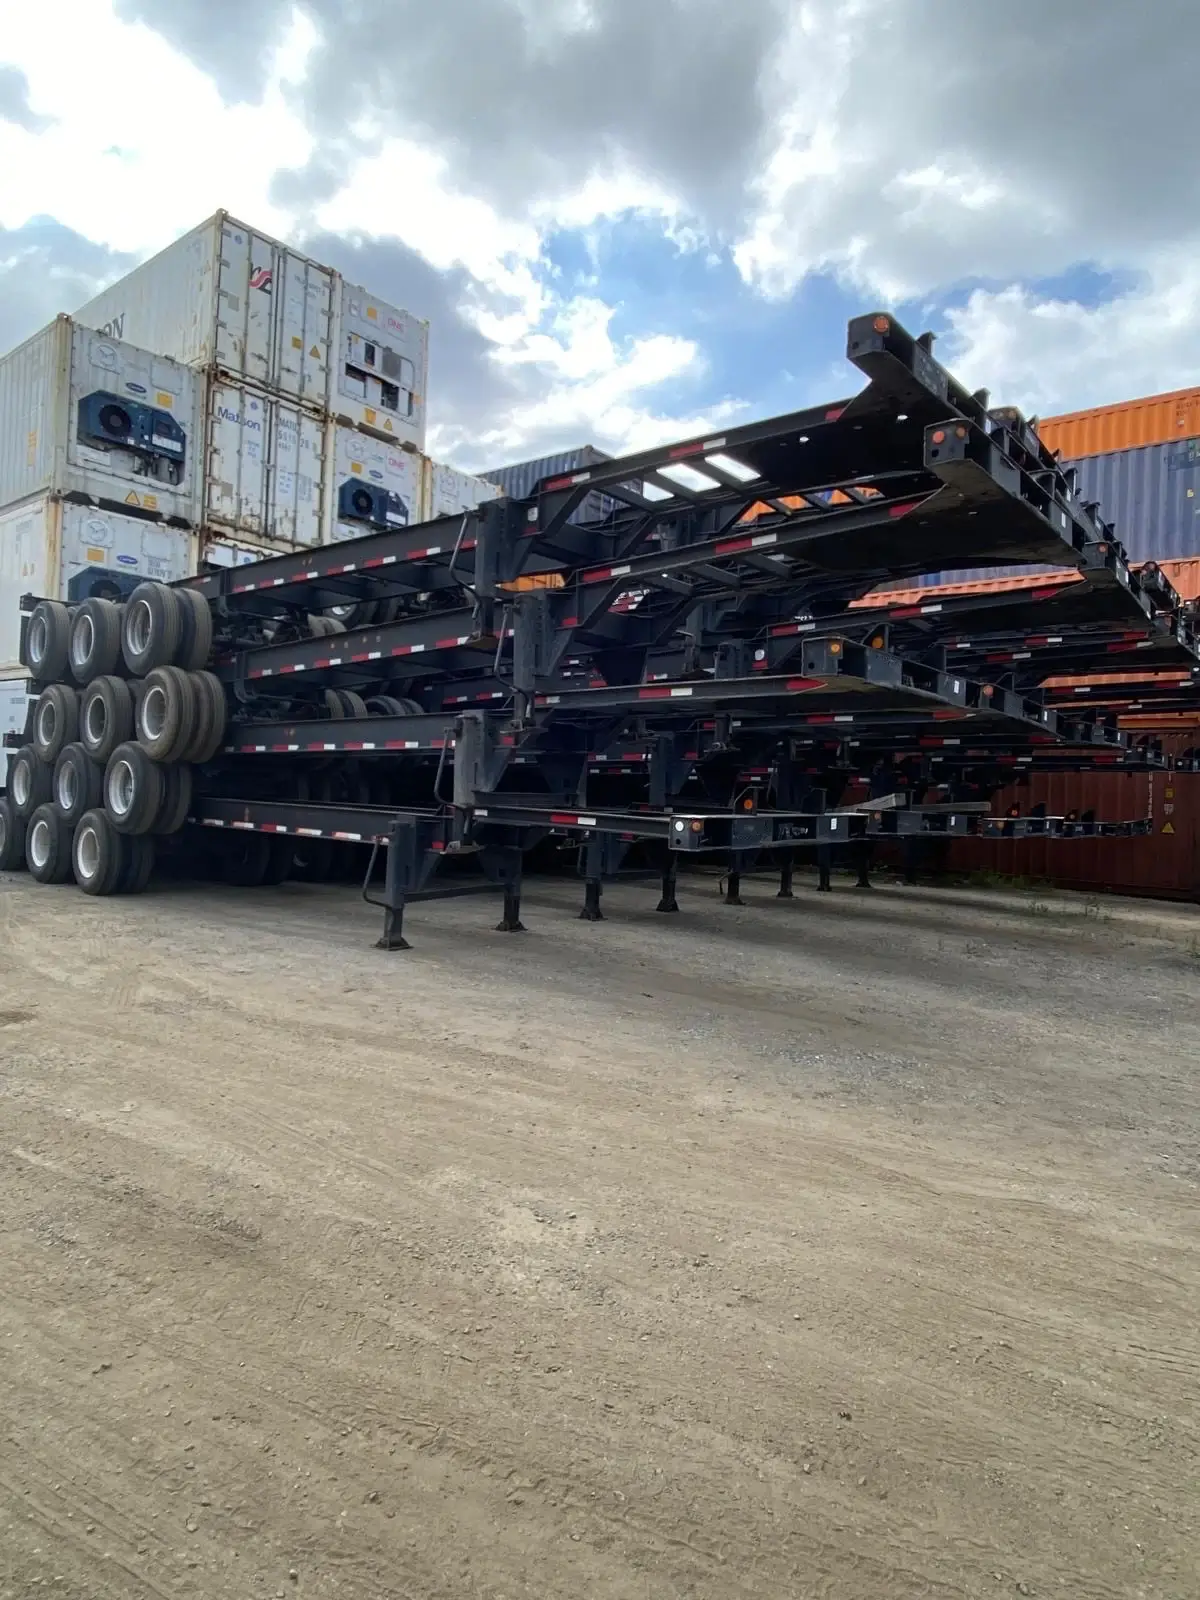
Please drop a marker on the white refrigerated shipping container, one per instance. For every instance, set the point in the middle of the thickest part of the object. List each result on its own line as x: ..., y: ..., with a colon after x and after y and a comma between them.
x: 98, y: 418
x: 374, y: 485
x: 14, y: 707
x: 448, y: 491
x: 230, y: 299
x: 63, y: 551
x: 265, y: 466
x: 380, y: 367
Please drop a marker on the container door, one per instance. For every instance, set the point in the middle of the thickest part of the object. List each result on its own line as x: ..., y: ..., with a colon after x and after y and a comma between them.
x: 297, y: 477
x: 274, y: 314
x: 28, y: 562
x: 236, y: 489
x: 305, y: 309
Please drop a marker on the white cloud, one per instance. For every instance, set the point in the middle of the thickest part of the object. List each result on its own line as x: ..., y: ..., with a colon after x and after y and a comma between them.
x: 1047, y: 355
x: 141, y: 147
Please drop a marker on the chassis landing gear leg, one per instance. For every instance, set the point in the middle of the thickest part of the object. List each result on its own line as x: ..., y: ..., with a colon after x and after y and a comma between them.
x: 669, y: 880
x: 397, y: 878
x: 733, y: 884
x: 785, y: 891
x: 511, y: 922
x: 824, y: 866
x: 863, y: 863
x: 591, y: 901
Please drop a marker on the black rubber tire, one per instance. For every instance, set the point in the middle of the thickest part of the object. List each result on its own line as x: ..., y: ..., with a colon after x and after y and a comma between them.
x: 139, y: 865
x: 30, y: 781
x: 391, y: 705
x: 48, y: 846
x: 105, y: 717
x: 47, y: 639
x: 133, y: 789
x: 95, y: 646
x: 354, y: 704
x: 202, y: 725
x: 166, y: 714
x: 196, y: 630
x: 245, y: 860
x: 55, y: 721
x: 320, y: 627
x: 177, y: 799
x: 12, y: 837
x: 280, y: 860
x: 208, y: 683
x: 312, y: 860
x: 354, y: 614
x: 150, y: 628
x: 334, y: 709
x: 99, y: 854
x: 78, y: 784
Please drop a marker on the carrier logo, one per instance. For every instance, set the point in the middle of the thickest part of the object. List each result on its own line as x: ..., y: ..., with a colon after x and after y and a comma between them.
x: 260, y: 278
x: 136, y: 388
x: 128, y: 561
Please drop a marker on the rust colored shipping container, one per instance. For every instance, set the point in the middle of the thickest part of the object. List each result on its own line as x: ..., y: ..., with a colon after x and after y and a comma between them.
x: 1184, y: 574
x: 1155, y: 419
x: 1165, y: 864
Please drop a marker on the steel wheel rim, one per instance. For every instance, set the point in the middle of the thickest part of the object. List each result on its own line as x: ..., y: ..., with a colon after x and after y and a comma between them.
x: 39, y: 843
x: 22, y: 783
x: 66, y: 784
x: 141, y: 627
x: 153, y: 712
x: 87, y: 853
x: 95, y: 719
x: 83, y: 639
x: 122, y: 785
x: 39, y: 639
x: 47, y: 717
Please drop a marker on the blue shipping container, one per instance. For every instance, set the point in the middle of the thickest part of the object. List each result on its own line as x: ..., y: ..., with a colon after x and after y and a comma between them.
x: 1151, y: 496
x: 522, y: 478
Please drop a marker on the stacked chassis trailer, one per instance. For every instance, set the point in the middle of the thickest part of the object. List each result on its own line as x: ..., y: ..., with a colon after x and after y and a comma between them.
x: 695, y: 670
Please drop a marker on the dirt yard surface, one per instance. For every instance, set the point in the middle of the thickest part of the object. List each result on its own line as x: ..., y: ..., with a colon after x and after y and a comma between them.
x: 843, y: 1247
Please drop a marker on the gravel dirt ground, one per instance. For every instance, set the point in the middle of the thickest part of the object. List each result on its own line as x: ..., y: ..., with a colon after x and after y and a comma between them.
x: 840, y: 1247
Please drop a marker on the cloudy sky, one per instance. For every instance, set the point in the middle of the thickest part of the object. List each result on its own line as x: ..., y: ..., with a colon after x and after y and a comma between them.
x: 630, y: 219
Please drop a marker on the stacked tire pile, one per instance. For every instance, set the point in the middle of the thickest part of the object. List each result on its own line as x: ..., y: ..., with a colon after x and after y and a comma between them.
x: 125, y: 711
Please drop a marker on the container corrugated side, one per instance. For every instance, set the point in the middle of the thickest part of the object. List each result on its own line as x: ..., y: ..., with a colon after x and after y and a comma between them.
x: 1150, y: 495
x: 64, y: 551
x: 230, y: 298
x: 265, y: 466
x: 14, y: 710
x: 1129, y: 425
x: 448, y: 491
x: 523, y: 477
x: 379, y: 374
x: 66, y: 372
x: 1164, y: 863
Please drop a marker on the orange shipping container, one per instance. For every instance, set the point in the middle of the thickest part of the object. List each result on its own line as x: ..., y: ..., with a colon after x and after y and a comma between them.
x: 1156, y: 419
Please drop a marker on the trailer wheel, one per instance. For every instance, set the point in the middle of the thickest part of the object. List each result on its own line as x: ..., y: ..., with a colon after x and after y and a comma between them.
x: 12, y: 837
x: 312, y: 860
x: 150, y: 628
x: 320, y: 627
x: 30, y: 782
x: 47, y: 640
x: 245, y: 860
x: 139, y: 865
x: 280, y: 858
x: 99, y: 853
x: 176, y: 801
x: 133, y: 789
x: 166, y: 714
x: 353, y: 705
x: 196, y: 630
x: 334, y: 709
x: 105, y: 717
x: 48, y: 846
x: 55, y: 721
x: 208, y: 684
x: 95, y: 644
x: 78, y: 784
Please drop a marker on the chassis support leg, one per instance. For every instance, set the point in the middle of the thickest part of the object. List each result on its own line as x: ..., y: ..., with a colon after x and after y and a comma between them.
x: 786, y: 871
x: 862, y: 861
x: 511, y: 922
x: 398, y: 877
x: 669, y: 880
x: 733, y: 884
x: 824, y: 867
x: 591, y: 912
